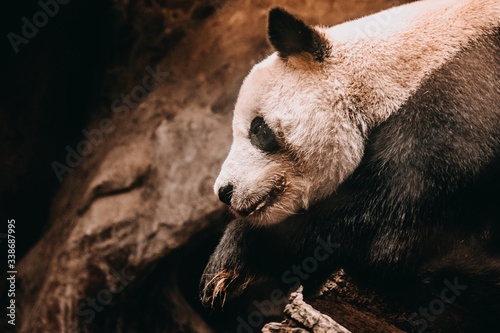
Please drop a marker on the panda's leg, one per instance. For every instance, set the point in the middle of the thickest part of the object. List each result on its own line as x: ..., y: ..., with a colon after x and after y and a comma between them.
x: 282, y: 253
x: 242, y: 257
x: 226, y: 266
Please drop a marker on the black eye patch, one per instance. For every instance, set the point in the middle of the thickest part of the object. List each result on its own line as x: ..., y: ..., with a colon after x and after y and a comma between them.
x: 262, y: 137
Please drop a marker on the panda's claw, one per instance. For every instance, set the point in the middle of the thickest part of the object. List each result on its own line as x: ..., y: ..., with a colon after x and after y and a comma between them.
x: 216, y: 287
x: 226, y: 284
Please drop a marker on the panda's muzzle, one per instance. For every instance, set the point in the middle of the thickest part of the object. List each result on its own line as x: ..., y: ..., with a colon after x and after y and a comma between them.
x: 267, y: 200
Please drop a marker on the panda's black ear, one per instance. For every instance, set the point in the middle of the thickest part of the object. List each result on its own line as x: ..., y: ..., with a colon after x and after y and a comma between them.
x: 290, y: 36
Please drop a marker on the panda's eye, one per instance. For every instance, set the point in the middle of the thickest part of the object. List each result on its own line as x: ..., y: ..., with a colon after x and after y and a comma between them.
x: 262, y: 137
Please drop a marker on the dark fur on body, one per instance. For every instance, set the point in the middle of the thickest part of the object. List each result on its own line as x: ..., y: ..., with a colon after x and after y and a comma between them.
x: 423, y: 205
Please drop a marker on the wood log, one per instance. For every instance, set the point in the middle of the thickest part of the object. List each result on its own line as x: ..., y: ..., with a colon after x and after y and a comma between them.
x: 302, y: 317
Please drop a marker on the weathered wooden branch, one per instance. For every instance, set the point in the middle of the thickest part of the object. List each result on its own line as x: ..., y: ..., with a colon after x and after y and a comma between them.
x: 302, y: 317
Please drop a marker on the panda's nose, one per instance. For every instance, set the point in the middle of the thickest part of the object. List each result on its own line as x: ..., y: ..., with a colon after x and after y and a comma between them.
x: 225, y: 194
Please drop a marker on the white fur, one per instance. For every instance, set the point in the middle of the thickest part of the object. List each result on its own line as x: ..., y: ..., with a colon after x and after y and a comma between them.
x: 323, y: 110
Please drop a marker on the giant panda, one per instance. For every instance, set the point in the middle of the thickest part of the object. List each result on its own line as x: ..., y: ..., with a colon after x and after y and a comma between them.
x: 376, y: 142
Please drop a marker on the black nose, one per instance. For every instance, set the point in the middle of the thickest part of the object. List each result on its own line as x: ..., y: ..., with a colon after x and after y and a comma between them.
x: 225, y: 194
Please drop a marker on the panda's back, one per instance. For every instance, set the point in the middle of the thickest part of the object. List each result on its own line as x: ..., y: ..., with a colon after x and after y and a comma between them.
x: 433, y: 167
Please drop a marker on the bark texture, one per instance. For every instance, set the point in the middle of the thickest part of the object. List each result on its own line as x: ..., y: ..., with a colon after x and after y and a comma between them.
x: 301, y: 317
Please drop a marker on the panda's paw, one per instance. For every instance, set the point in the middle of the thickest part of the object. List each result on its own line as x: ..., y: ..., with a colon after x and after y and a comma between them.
x: 228, y: 273
x: 223, y: 285
x: 214, y: 287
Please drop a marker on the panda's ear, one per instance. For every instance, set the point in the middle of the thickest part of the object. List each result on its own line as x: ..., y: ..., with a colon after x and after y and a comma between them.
x: 291, y: 36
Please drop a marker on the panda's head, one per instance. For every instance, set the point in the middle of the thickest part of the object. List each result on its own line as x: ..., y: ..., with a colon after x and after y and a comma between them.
x: 294, y: 139
x: 304, y: 113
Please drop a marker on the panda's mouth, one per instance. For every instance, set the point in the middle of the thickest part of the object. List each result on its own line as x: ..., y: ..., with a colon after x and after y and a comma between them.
x: 279, y: 186
x: 266, y: 201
